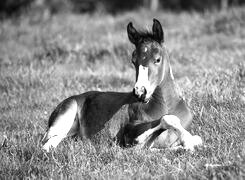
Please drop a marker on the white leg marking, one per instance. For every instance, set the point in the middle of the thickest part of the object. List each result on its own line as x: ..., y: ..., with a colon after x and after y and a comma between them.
x: 143, y: 137
x: 171, y: 73
x: 52, y: 143
x: 188, y: 141
x: 60, y: 128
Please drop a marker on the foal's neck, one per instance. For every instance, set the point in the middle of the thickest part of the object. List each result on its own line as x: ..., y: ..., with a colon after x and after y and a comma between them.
x: 165, y: 96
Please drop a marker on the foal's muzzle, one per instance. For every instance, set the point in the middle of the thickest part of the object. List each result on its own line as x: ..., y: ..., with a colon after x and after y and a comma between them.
x: 140, y: 93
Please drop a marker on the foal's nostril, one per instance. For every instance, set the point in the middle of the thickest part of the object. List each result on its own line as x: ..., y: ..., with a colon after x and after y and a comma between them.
x: 135, y: 91
x: 143, y: 90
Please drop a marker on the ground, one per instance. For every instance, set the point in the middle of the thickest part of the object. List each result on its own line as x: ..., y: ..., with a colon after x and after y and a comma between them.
x: 44, y: 60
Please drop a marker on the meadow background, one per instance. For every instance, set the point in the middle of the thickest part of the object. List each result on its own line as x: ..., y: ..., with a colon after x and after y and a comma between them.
x: 49, y: 57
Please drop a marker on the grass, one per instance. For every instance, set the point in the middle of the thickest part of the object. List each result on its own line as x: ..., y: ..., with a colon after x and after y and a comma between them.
x: 43, y: 61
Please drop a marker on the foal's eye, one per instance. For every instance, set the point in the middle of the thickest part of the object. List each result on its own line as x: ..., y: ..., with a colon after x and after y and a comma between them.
x: 158, y: 60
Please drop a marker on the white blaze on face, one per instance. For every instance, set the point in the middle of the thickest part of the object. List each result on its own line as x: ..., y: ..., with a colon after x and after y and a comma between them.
x: 142, y: 80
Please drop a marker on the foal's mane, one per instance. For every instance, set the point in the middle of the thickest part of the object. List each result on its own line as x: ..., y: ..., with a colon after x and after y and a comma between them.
x: 146, y: 35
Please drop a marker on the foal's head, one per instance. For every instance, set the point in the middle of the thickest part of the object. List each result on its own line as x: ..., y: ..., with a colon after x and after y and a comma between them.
x: 149, y: 59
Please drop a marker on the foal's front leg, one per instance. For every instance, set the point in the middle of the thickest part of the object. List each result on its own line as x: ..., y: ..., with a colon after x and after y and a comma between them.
x: 186, y: 139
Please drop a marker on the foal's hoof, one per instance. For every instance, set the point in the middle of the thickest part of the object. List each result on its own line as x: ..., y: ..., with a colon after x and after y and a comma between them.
x: 192, y: 142
x: 198, y: 140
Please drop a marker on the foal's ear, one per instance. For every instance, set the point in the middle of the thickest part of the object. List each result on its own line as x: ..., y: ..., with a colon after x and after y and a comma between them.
x: 133, y: 35
x: 157, y: 31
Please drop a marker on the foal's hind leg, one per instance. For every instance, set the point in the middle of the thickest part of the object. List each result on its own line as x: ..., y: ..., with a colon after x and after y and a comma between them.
x: 62, y: 124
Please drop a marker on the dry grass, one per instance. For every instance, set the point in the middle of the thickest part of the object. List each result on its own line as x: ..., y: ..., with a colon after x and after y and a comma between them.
x: 44, y: 61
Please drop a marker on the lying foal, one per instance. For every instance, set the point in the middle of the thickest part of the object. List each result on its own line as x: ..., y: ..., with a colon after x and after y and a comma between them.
x: 159, y: 119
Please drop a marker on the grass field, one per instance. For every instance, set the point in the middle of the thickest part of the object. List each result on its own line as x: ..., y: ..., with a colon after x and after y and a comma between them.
x: 43, y: 61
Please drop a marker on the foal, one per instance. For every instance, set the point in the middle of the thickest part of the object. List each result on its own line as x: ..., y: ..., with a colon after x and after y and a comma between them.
x: 161, y: 119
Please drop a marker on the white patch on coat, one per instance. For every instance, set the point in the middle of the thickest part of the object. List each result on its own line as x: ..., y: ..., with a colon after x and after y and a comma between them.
x: 177, y: 88
x: 60, y: 128
x: 171, y: 72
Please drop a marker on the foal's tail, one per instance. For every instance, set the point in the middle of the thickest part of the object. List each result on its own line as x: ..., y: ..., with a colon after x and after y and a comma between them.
x: 60, y: 123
